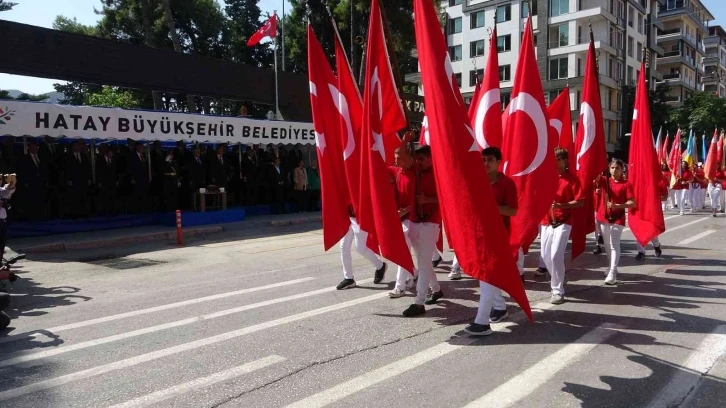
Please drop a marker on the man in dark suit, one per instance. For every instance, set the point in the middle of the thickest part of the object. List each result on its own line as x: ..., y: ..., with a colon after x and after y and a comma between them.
x: 157, y: 175
x: 250, y: 175
x: 33, y: 173
x: 276, y: 186
x: 77, y: 180
x: 107, y: 181
x: 219, y: 168
x: 52, y: 155
x: 196, y: 173
x: 138, y: 168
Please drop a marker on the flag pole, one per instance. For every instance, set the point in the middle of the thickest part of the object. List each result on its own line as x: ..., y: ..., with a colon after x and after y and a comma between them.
x: 282, y: 34
x: 277, y: 93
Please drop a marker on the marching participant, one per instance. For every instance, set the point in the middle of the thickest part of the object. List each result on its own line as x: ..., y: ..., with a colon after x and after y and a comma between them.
x: 617, y: 194
x: 403, y: 178
x: 715, y: 188
x: 558, y: 225
x: 698, y: 188
x: 358, y: 237
x: 682, y: 187
x: 663, y: 186
x: 671, y: 195
x: 492, y: 306
x: 423, y: 232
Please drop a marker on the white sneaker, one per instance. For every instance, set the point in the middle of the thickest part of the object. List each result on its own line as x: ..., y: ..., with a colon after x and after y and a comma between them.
x: 410, y: 283
x: 455, y: 274
x: 396, y: 293
x: 611, y: 279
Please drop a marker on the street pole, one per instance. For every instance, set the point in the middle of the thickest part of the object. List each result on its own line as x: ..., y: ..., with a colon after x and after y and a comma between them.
x: 282, y: 35
x: 277, y: 94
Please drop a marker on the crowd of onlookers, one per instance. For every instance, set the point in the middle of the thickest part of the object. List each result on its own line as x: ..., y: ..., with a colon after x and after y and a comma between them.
x: 57, y: 180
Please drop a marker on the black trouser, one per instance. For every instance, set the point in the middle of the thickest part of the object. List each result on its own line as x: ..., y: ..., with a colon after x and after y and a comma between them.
x: 300, y: 200
x: 313, y: 199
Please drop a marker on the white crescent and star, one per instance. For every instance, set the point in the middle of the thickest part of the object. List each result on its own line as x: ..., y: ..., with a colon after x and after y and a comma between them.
x: 378, y: 145
x: 342, y: 105
x: 530, y: 106
x: 425, y: 129
x: 588, y: 121
x: 319, y: 137
x: 557, y: 124
x: 490, y: 98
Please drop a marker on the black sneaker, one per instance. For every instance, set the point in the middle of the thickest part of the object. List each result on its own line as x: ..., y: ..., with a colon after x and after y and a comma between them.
x: 658, y: 251
x: 600, y: 240
x: 497, y: 316
x: 640, y: 256
x: 540, y: 272
x: 346, y: 284
x: 597, y: 250
x: 479, y: 329
x: 380, y: 273
x: 436, y: 262
x: 433, y: 298
x: 414, y: 310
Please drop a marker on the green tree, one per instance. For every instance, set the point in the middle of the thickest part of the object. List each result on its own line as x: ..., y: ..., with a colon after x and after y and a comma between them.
x: 244, y: 20
x: 113, y: 97
x: 66, y: 24
x: 23, y: 96
x: 702, y: 112
x: 5, y: 5
x: 659, y: 109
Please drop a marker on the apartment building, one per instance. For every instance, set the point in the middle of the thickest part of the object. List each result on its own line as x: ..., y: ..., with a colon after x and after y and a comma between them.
x: 685, y: 26
x: 714, y: 62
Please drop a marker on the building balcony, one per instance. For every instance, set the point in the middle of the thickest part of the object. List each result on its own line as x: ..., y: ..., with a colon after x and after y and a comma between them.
x: 593, y: 13
x: 657, y: 49
x: 712, y: 41
x: 681, y: 12
x: 569, y: 49
x: 710, y: 79
x: 710, y: 60
x: 675, y: 57
x: 675, y: 35
x: 658, y: 24
x: 672, y: 80
x: 657, y: 76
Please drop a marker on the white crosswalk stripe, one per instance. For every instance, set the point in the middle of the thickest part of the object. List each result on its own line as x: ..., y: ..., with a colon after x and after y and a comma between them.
x: 696, y: 237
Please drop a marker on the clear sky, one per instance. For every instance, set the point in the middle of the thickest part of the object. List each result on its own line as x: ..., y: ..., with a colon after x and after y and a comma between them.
x: 43, y: 12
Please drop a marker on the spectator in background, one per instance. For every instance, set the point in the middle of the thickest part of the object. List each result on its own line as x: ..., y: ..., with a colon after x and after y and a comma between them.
x: 107, y: 177
x: 77, y: 180
x: 138, y: 167
x: 52, y: 155
x: 34, y: 175
x: 218, y: 168
x: 300, y: 186
x: 314, y: 186
x: 196, y: 172
x: 276, y: 186
x: 250, y: 175
x: 171, y: 183
x: 158, y: 168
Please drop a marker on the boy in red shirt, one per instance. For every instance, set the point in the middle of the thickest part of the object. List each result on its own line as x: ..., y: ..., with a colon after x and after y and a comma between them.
x: 403, y: 179
x: 667, y: 180
x: 617, y: 196
x: 557, y: 225
x: 698, y: 188
x: 682, y: 186
x: 492, y: 307
x: 715, y: 188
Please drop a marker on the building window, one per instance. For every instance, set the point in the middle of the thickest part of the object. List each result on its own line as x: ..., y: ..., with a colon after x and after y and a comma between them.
x: 504, y: 43
x: 552, y: 95
x: 453, y: 3
x: 578, y: 96
x: 504, y: 99
x: 525, y: 8
x: 458, y: 79
x: 558, y: 68
x: 455, y: 25
x: 630, y: 47
x: 559, y: 7
x: 455, y: 53
x: 475, y: 76
x: 631, y: 16
x: 629, y: 78
x: 639, y: 52
x: 477, y: 19
x: 563, y: 35
x: 505, y: 73
x: 504, y: 13
x: 476, y: 48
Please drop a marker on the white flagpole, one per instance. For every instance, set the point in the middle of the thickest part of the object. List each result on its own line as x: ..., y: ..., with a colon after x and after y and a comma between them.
x: 277, y: 95
x: 282, y: 35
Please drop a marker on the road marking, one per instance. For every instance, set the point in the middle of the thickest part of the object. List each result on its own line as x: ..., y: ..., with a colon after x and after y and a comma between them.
x: 200, y: 383
x: 699, y: 362
x: 155, y: 355
x: 688, y: 224
x: 530, y: 379
x: 396, y: 368
x: 696, y: 237
x: 152, y: 329
x: 664, y: 219
x: 134, y: 313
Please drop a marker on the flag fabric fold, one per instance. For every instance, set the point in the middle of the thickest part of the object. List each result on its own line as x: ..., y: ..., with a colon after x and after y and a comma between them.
x: 470, y: 212
x: 378, y: 210
x: 269, y: 29
x: 333, y: 185
x: 646, y: 218
x: 711, y: 166
x: 674, y: 158
x: 486, y: 116
x: 560, y: 118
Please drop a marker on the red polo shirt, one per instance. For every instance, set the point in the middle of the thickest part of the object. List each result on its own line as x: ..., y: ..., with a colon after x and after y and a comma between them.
x: 568, y: 189
x: 667, y: 177
x: 663, y: 187
x: 505, y: 193
x: 430, y: 212
x: 619, y: 192
x: 685, y: 182
x: 700, y: 178
x: 719, y: 177
x: 404, y: 182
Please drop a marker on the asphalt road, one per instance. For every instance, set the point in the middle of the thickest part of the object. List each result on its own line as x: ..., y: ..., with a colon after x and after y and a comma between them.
x: 252, y: 319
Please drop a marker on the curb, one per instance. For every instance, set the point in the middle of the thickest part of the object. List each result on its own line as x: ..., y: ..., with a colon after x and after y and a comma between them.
x: 154, y: 236
x: 295, y: 221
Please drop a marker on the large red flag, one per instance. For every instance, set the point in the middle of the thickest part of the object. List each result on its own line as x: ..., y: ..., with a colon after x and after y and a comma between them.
x: 674, y: 159
x: 269, y: 29
x: 378, y: 210
x: 646, y: 219
x: 560, y: 116
x: 528, y: 147
x: 719, y: 150
x: 334, y: 188
x: 486, y: 119
x: 470, y: 212
x: 663, y: 153
x: 591, y: 159
x: 711, y: 166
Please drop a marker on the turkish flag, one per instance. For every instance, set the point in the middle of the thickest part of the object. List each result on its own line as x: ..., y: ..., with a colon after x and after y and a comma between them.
x: 719, y: 150
x: 591, y: 159
x: 475, y: 98
x: 378, y: 210
x: 674, y: 159
x: 711, y: 166
x: 646, y: 219
x: 560, y: 116
x: 663, y: 153
x: 470, y: 212
x: 487, y: 106
x: 528, y: 147
x: 269, y: 29
x: 333, y: 185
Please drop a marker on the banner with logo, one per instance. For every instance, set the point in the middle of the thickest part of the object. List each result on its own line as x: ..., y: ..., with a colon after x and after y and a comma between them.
x: 43, y: 119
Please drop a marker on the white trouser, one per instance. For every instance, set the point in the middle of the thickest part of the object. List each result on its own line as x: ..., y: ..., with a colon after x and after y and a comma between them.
x: 403, y: 276
x: 437, y: 255
x: 641, y: 249
x: 681, y: 199
x: 694, y: 197
x: 612, y: 234
x: 554, y: 243
x: 496, y: 294
x: 598, y: 229
x: 359, y: 237
x: 542, y: 263
x: 702, y: 197
x: 455, y: 263
x: 715, y: 193
x: 672, y: 197
x: 664, y: 205
x: 423, y: 237
x: 723, y: 202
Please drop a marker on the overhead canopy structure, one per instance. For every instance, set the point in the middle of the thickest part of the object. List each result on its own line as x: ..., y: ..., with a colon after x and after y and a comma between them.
x: 43, y: 119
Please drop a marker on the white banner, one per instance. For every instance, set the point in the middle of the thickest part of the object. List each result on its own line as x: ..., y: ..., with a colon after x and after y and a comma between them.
x: 44, y: 119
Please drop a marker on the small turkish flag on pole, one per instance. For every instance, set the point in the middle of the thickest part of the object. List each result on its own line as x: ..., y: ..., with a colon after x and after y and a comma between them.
x: 486, y: 118
x: 711, y: 166
x: 646, y: 219
x: 269, y: 29
x: 470, y: 212
x: 378, y: 210
x: 560, y: 116
x: 334, y: 189
x: 528, y: 147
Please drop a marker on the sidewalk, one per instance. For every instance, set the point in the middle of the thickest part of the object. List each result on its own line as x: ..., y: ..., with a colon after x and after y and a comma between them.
x: 126, y: 236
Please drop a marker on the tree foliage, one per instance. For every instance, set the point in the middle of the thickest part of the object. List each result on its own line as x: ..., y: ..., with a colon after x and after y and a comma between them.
x: 5, y: 5
x: 702, y: 112
x: 23, y: 96
x: 112, y: 97
x: 659, y: 109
